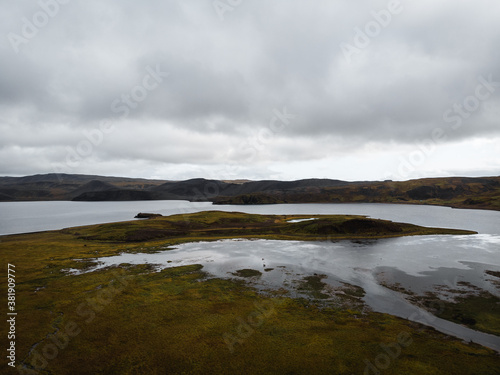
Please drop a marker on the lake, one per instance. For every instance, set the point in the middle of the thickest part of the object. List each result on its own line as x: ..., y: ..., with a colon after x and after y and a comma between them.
x: 23, y: 217
x: 441, y: 264
x: 420, y: 264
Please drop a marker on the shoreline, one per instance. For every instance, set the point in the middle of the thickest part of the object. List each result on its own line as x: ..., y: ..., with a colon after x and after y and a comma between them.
x: 202, y: 312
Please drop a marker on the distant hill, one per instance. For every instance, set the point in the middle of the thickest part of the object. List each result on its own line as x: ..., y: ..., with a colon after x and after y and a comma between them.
x: 483, y: 193
x: 459, y: 192
x: 65, y: 186
x: 93, y: 186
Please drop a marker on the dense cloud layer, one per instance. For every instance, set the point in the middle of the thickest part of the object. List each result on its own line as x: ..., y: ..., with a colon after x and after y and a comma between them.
x: 251, y: 89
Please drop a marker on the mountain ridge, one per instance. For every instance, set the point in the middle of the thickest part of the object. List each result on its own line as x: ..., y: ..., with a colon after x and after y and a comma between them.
x: 463, y: 192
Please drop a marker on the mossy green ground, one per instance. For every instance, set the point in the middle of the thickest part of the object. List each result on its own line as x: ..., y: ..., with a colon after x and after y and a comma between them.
x: 131, y: 320
x: 247, y: 273
x: 210, y: 225
x: 475, y: 308
x: 479, y: 311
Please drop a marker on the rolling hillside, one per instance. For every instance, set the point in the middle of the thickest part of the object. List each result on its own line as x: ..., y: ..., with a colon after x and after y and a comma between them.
x: 480, y: 193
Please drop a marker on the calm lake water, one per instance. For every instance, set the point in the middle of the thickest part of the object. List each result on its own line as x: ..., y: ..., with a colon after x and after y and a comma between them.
x: 440, y: 264
x: 23, y: 217
x: 422, y: 263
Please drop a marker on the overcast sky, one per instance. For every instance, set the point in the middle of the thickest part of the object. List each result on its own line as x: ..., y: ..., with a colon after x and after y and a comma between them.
x: 257, y: 89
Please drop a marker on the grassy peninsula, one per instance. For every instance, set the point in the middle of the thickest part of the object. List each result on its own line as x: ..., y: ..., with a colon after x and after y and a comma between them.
x: 132, y: 320
x: 214, y: 225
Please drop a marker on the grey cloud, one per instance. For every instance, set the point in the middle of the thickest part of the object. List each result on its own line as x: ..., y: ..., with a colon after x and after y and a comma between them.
x: 227, y: 77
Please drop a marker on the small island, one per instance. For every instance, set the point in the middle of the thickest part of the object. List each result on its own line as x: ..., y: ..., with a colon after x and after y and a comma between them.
x: 215, y: 225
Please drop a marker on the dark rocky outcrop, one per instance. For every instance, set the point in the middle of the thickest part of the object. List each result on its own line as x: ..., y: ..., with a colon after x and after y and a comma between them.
x: 143, y: 215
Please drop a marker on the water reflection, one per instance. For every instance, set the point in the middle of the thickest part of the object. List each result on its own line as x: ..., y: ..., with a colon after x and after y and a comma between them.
x: 415, y: 264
